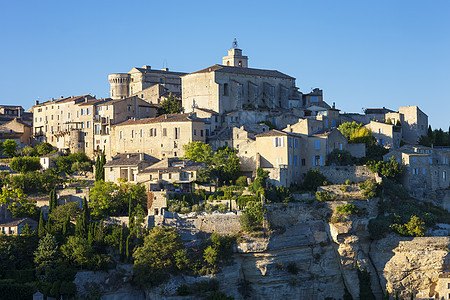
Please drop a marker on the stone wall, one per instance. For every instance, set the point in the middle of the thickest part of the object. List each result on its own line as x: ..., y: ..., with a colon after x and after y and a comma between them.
x: 338, y: 175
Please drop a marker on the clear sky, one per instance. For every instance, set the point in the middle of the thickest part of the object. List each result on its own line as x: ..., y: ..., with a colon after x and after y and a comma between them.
x: 361, y: 53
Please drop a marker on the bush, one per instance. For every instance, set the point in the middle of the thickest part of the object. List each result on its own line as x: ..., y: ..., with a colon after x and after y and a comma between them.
x: 340, y: 158
x: 369, y: 188
x: 223, y: 207
x: 325, y: 196
x: 390, y: 169
x: 344, y: 188
x: 312, y: 180
x: 252, y: 217
x: 241, y: 181
x: 23, y: 164
x: 348, y: 182
x: 347, y: 209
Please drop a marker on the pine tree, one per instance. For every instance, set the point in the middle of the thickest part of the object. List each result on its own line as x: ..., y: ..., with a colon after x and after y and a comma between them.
x: 41, y: 228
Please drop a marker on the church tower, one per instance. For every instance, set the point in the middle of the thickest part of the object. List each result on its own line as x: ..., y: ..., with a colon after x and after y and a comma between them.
x: 235, y: 57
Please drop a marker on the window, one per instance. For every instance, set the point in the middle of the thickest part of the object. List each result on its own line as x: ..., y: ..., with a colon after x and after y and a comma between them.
x: 278, y: 142
x: 303, y: 162
x: 207, y: 132
x: 340, y: 146
x: 142, y: 133
x: 279, y: 161
x: 88, y: 111
x: 296, y: 160
x: 132, y: 134
x: 333, y: 123
x: 317, y: 160
x: 170, y: 175
x: 289, y: 142
x: 87, y: 144
x: 88, y: 124
x: 164, y: 132
x: 444, y: 175
x: 121, y: 134
x: 225, y: 89
x: 97, y: 128
x: 201, y: 132
x: 380, y: 130
x: 423, y: 171
x: 317, y: 145
x: 129, y: 107
x: 290, y: 160
x: 314, y: 99
x: 177, y: 133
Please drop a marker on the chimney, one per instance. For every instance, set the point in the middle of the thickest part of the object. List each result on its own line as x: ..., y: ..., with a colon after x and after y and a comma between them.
x: 141, y: 156
x: 334, y: 105
x: 37, y: 102
x: 62, y: 97
x: 165, y: 117
x: 86, y: 99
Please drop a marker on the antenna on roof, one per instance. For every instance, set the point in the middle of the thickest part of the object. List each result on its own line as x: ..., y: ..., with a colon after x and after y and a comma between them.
x: 235, y: 44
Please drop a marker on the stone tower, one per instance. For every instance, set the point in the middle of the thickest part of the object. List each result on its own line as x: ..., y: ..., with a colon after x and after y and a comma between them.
x: 235, y: 57
x: 120, y: 85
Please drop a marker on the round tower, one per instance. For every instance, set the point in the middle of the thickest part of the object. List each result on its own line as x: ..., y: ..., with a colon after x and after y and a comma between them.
x: 120, y: 85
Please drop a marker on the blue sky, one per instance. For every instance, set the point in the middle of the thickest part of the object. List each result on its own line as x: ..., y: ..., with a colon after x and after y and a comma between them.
x: 361, y: 53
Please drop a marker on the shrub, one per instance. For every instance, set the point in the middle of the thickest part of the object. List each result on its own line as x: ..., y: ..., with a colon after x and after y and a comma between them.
x: 252, y: 217
x: 369, y: 188
x: 241, y: 181
x: 210, y: 208
x: 313, y: 179
x: 347, y: 209
x: 223, y: 207
x: 390, y: 169
x: 185, y: 210
x: 197, y: 208
x: 324, y: 196
x: 344, y: 188
x: 347, y: 182
x: 340, y: 158
x: 25, y: 164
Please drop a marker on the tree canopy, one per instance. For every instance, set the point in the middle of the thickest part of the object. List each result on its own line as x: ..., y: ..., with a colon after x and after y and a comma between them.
x: 357, y: 133
x: 23, y: 164
x: 10, y: 148
x: 170, y: 106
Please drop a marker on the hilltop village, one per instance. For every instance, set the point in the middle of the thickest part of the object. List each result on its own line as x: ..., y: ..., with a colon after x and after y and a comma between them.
x: 224, y: 183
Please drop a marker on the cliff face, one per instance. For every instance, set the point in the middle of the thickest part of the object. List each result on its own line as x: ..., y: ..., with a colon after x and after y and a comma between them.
x: 305, y: 257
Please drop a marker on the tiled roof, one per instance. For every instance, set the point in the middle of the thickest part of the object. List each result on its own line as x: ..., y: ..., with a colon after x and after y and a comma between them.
x: 130, y: 159
x: 244, y: 71
x: 14, y: 222
x: 207, y: 110
x: 170, y: 165
x: 275, y: 132
x: 94, y: 101
x: 145, y: 70
x: 370, y: 111
x: 163, y: 118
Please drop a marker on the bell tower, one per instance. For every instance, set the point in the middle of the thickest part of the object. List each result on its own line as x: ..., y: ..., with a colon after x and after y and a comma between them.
x: 235, y: 57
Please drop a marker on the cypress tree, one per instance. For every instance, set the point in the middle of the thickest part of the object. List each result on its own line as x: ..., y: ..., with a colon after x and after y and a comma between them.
x: 50, y: 202
x: 121, y: 244
x: 102, y: 164
x: 128, y: 247
x: 80, y: 228
x: 86, y: 214
x: 41, y: 228
x: 91, y: 233
x: 66, y: 227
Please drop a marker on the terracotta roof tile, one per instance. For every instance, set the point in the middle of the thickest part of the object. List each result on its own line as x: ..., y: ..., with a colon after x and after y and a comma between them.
x: 244, y: 71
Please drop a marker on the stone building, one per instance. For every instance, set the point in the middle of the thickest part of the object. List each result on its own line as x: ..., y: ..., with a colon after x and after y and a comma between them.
x: 17, y: 130
x: 83, y: 123
x: 160, y: 137
x: 387, y: 135
x: 170, y: 172
x: 145, y: 83
x: 16, y: 225
x: 127, y: 166
x: 426, y: 169
x: 238, y: 94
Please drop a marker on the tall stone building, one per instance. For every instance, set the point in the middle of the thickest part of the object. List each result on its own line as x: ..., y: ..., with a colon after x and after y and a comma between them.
x: 145, y: 83
x: 238, y: 94
x: 83, y: 123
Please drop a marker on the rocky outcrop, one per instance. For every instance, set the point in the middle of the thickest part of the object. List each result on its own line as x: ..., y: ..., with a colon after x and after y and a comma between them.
x: 410, y: 264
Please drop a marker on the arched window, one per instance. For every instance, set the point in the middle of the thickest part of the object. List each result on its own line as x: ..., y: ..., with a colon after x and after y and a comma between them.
x: 240, y: 63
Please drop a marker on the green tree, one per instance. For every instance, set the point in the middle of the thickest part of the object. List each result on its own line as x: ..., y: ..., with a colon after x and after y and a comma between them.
x: 340, y: 158
x: 23, y: 164
x: 47, y: 251
x: 10, y: 148
x: 390, y: 169
x: 170, y: 106
x: 198, y: 151
x: 357, y: 133
x: 44, y: 148
x: 41, y: 228
x: 156, y: 258
x: 313, y: 179
x: 99, y: 167
x: 77, y: 250
x: 253, y: 216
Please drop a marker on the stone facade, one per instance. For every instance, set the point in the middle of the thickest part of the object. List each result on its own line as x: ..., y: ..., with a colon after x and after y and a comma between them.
x: 18, y: 130
x: 138, y: 81
x: 427, y: 169
x: 83, y: 123
x: 159, y: 137
x: 387, y: 135
x: 339, y: 174
x: 415, y: 123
